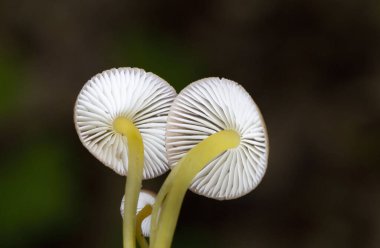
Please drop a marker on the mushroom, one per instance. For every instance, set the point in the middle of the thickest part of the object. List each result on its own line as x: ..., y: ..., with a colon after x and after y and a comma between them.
x: 146, y: 198
x: 217, y: 145
x: 120, y: 116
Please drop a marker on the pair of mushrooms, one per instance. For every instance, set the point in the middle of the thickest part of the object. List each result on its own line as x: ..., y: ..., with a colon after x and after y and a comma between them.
x: 212, y: 136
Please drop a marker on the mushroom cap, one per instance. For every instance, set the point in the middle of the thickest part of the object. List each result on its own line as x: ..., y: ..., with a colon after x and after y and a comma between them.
x: 143, y: 98
x: 208, y: 106
x: 145, y: 198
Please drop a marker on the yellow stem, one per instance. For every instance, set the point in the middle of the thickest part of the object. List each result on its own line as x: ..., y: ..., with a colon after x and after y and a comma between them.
x: 188, y: 167
x: 143, y: 213
x: 135, y: 173
x: 158, y: 202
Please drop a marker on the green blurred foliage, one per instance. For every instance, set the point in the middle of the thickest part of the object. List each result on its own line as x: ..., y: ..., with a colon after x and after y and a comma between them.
x: 36, y: 192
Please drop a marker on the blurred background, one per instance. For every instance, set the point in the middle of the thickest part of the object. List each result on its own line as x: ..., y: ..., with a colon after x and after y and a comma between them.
x: 311, y: 66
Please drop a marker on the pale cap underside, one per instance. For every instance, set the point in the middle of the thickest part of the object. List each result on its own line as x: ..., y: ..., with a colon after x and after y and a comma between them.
x: 143, y: 98
x: 208, y: 106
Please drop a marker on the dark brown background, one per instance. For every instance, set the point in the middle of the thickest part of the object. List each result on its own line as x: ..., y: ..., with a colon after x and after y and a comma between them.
x: 311, y: 66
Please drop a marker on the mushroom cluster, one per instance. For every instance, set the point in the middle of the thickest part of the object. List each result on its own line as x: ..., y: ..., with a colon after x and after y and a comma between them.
x: 212, y: 136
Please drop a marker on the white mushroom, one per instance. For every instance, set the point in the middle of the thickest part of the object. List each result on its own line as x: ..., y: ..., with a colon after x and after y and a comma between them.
x: 120, y: 116
x: 204, y: 108
x: 217, y: 145
x: 143, y: 98
x: 146, y: 198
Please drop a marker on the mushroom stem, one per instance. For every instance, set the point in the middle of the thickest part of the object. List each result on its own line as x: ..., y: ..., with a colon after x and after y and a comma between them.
x: 135, y: 173
x: 188, y: 167
x: 159, y: 199
x: 145, y: 212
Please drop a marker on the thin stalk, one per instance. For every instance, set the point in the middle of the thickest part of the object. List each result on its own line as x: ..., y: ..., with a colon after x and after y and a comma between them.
x: 158, y: 202
x: 135, y: 173
x: 143, y: 213
x: 188, y: 167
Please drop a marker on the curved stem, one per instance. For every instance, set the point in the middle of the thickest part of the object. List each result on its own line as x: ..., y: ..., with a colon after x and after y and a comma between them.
x: 135, y: 173
x: 188, y: 167
x: 158, y: 202
x: 143, y: 213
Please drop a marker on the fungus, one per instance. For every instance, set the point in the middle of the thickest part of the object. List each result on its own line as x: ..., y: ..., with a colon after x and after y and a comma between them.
x: 143, y: 213
x: 120, y: 116
x: 217, y: 145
